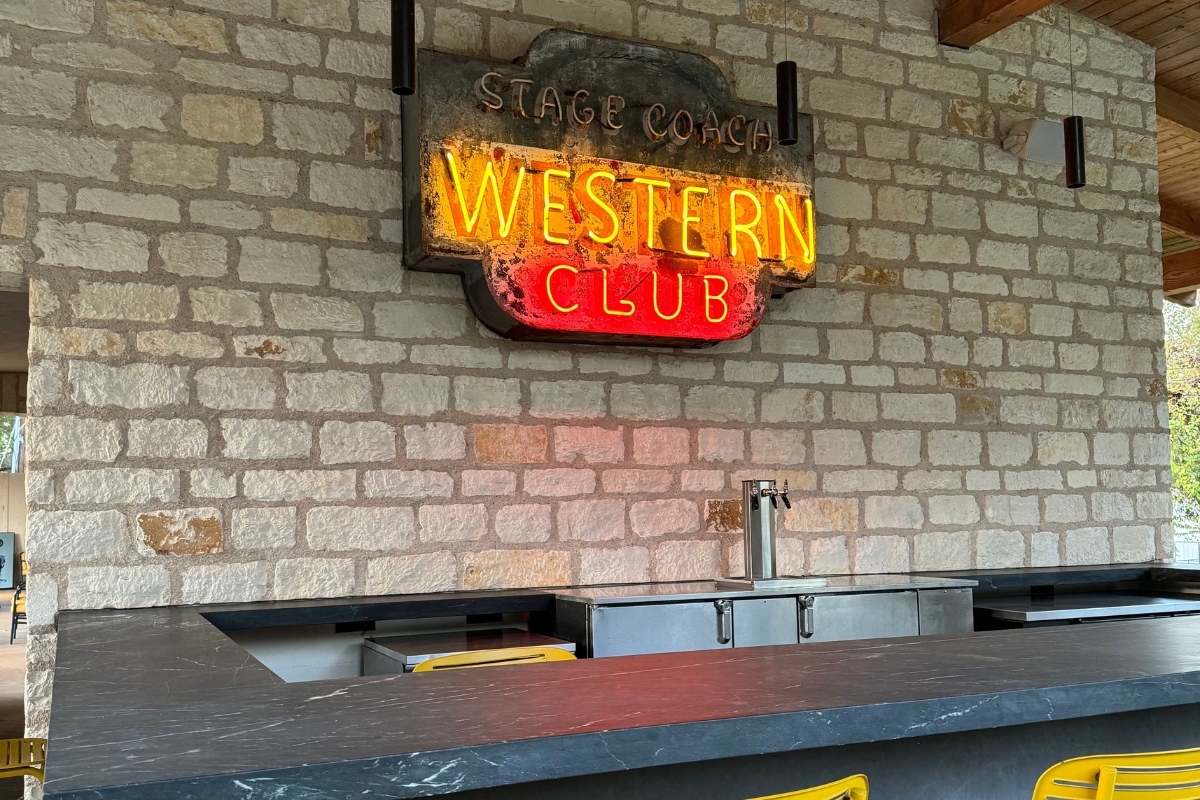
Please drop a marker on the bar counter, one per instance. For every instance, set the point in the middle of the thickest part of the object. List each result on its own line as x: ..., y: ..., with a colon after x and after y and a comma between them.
x: 158, y: 703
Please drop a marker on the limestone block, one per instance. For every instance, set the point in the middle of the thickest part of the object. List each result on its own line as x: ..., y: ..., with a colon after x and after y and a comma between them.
x: 263, y: 528
x: 68, y: 16
x: 223, y: 118
x: 132, y: 386
x: 880, y: 554
x: 523, y: 523
x: 357, y: 442
x: 620, y: 565
x: 128, y: 107
x: 1065, y: 508
x: 1087, y: 546
x: 212, y: 483
x: 180, y: 532
x: 71, y: 438
x: 225, y: 583
x: 488, y: 482
x: 262, y: 43
x: 589, y: 445
x: 358, y: 351
x: 896, y: 448
x: 264, y: 177
x: 893, y: 512
x: 428, y: 572
x: 229, y: 388
x: 346, y: 186
x: 406, y: 319
x: 566, y: 399
x: 645, y: 401
x: 263, y: 439
x: 174, y: 165
x: 306, y: 312
x: 687, y: 560
x: 229, y: 307
x: 28, y: 149
x: 822, y: 514
x: 942, y: 551
x: 838, y: 447
x: 72, y: 537
x: 232, y: 76
x: 348, y: 392
x: 351, y: 528
x: 316, y: 13
x: 591, y: 520
x: 132, y: 20
x: 484, y: 396
x: 828, y: 556
x: 661, y: 446
x: 958, y: 448
x: 637, y: 481
x: 117, y: 587
x: 661, y: 517
x: 113, y: 485
x: 454, y: 523
x: 199, y: 255
x: 311, y: 130
x: 999, y: 549
x: 498, y: 569
x: 303, y: 578
x: 408, y: 483
x: 295, y: 485
x: 92, y: 245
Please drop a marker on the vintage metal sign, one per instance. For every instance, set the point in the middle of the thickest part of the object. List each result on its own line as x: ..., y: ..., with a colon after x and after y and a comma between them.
x: 603, y: 191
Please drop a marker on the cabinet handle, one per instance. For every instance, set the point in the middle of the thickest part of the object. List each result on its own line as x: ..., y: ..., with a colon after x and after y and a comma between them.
x: 724, y: 621
x: 806, y: 616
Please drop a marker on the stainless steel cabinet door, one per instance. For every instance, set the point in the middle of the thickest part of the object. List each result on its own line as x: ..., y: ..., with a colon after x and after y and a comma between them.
x: 659, y: 628
x: 946, y: 611
x: 769, y: 620
x: 840, y: 617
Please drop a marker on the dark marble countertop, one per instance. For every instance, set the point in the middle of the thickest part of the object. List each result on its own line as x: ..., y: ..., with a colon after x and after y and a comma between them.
x: 1026, y: 577
x: 158, y: 703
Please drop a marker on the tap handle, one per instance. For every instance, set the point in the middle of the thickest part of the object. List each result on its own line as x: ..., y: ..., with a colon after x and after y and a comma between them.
x: 785, y: 500
x: 774, y: 500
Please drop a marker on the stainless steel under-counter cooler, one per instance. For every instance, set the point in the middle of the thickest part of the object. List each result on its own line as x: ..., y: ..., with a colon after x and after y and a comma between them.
x: 676, y: 617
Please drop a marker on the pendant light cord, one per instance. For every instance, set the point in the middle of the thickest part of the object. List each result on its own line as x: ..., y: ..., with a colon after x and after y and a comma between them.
x: 1071, y: 58
x: 785, y: 30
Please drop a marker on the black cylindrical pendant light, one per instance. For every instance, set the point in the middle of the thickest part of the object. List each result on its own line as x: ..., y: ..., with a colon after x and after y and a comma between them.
x: 404, y: 47
x: 787, y: 102
x: 1073, y: 139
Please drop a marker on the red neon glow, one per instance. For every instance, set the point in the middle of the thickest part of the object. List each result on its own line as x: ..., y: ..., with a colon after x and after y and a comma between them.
x: 608, y: 247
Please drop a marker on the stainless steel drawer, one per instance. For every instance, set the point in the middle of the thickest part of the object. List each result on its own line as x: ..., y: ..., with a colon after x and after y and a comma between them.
x: 838, y: 617
x: 661, y: 628
x: 946, y: 611
x: 764, y: 621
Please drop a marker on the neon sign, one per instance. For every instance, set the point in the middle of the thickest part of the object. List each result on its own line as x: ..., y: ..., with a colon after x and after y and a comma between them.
x: 662, y: 231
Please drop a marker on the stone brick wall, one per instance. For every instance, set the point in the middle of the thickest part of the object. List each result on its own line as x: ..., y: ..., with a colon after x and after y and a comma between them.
x: 239, y: 395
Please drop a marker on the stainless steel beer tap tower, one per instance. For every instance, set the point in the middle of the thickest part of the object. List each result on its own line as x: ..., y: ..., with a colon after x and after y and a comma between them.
x: 760, y: 505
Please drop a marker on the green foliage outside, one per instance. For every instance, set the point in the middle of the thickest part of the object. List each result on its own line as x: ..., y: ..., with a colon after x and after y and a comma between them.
x: 6, y: 425
x: 1183, y: 387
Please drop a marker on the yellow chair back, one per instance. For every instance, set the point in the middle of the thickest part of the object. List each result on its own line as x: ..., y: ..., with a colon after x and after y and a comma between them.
x: 852, y: 788
x: 19, y: 603
x: 494, y: 658
x: 1171, y: 775
x: 22, y: 757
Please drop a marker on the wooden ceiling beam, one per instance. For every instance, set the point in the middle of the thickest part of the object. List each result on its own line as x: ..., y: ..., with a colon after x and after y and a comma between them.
x: 1181, y: 272
x: 963, y: 23
x: 1183, y: 111
x: 1179, y: 219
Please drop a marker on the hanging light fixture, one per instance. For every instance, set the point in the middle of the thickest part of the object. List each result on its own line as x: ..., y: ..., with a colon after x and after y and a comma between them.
x: 404, y: 47
x: 787, y: 101
x: 1073, y: 127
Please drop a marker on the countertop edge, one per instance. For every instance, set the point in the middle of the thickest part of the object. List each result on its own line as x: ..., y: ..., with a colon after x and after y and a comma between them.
x: 452, y: 770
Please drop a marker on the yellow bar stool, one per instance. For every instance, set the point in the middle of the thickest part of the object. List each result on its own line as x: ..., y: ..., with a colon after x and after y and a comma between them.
x: 1170, y: 775
x: 494, y: 658
x: 18, y: 614
x: 22, y: 757
x: 852, y: 788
